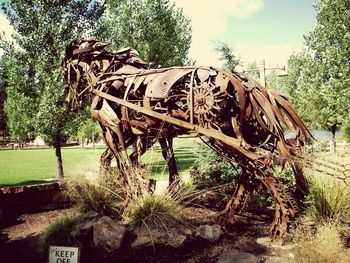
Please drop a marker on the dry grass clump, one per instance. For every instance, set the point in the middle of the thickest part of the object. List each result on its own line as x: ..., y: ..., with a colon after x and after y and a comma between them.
x: 104, y: 194
x: 324, y: 240
x: 331, y: 200
x: 329, y: 176
x: 320, y: 245
x: 153, y: 211
x: 164, y: 210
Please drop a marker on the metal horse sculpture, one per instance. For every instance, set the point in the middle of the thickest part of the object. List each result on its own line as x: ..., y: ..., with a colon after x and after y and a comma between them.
x: 241, y: 120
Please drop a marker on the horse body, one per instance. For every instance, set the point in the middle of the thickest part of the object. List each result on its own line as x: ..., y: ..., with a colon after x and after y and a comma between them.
x: 243, y: 121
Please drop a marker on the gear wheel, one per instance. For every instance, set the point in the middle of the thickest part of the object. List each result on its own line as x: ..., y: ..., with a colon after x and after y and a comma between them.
x: 205, y: 102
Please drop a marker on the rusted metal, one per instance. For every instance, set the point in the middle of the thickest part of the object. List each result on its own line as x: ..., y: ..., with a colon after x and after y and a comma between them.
x: 243, y: 121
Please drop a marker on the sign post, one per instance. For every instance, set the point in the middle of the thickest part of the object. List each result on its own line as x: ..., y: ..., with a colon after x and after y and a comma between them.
x: 64, y: 254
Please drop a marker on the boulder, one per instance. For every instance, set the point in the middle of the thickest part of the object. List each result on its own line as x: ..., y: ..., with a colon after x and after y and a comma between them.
x: 94, y: 231
x: 83, y: 230
x: 108, y: 234
x: 235, y: 256
x: 210, y: 233
x: 170, y: 237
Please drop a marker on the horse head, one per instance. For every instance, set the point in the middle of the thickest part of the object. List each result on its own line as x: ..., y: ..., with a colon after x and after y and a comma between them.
x: 85, y: 61
x: 78, y: 69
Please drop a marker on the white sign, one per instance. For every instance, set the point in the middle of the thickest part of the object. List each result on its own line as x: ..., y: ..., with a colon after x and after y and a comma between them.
x: 63, y: 254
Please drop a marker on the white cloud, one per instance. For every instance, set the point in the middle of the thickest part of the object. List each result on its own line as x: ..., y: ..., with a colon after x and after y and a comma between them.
x: 6, y: 27
x: 243, y: 8
x: 209, y: 20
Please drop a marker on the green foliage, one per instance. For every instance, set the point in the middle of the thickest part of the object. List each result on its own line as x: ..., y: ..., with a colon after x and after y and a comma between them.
x: 253, y: 70
x: 3, y: 84
x: 346, y: 130
x: 58, y: 234
x: 105, y: 194
x: 88, y: 130
x: 35, y: 98
x: 319, y: 78
x: 210, y: 170
x: 155, y: 28
x: 272, y: 80
x: 226, y: 54
x: 286, y: 177
x: 22, y: 99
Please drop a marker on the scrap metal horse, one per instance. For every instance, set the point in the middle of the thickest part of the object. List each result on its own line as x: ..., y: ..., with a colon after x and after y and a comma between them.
x: 242, y: 121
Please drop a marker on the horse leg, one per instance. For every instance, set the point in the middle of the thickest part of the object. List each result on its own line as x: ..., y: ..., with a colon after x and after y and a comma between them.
x: 302, y: 186
x: 168, y: 154
x: 239, y: 201
x: 139, y: 148
x: 173, y: 171
x: 285, y: 210
x: 106, y: 158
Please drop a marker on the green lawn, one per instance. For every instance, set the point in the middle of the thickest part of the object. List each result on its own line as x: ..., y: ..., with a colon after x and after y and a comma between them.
x: 18, y: 167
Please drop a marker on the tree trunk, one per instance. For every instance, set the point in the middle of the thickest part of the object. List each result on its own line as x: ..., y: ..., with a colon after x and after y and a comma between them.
x: 59, y: 157
x: 333, y: 143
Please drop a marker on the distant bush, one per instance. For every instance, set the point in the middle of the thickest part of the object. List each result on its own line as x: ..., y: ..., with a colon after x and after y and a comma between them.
x: 210, y: 170
x: 346, y: 130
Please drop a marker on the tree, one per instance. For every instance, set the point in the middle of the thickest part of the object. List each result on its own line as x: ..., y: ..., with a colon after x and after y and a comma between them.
x: 155, y: 28
x: 322, y: 73
x: 21, y: 98
x: 3, y: 84
x: 88, y: 131
x: 253, y: 70
x: 295, y: 83
x: 272, y: 80
x: 36, y: 87
x: 226, y: 54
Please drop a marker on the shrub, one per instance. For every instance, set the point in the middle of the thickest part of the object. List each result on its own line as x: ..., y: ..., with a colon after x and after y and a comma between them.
x: 346, y: 130
x: 105, y: 194
x: 286, y: 179
x: 58, y: 234
x: 210, y: 170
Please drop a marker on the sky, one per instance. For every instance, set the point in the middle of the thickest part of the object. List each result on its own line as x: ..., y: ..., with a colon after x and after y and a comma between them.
x: 256, y: 30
